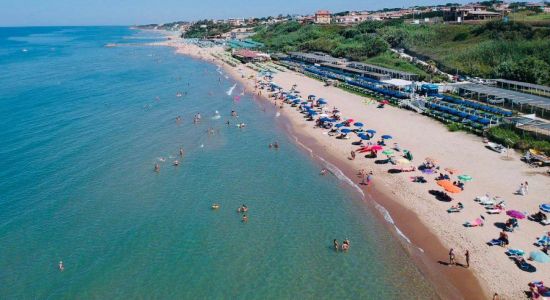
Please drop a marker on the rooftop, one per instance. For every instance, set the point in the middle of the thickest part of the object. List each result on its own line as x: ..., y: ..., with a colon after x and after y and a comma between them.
x: 515, y: 97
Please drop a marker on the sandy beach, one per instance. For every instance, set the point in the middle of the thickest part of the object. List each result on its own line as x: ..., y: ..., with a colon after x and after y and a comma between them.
x: 418, y: 215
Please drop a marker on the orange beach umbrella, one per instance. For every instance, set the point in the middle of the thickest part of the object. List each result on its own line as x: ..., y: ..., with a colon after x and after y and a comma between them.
x: 449, y: 186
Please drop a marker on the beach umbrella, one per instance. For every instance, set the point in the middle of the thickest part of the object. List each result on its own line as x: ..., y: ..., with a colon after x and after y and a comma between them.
x: 364, y: 137
x: 345, y: 130
x: 387, y: 152
x: 544, y: 240
x: 339, y: 125
x: 403, y: 161
x: 449, y: 186
x: 516, y: 214
x: 370, y: 131
x: 387, y: 137
x: 376, y: 148
x: 539, y: 256
x: 312, y: 113
x: 358, y: 124
x: 311, y: 96
x: 545, y: 207
x: 349, y: 121
x: 465, y: 177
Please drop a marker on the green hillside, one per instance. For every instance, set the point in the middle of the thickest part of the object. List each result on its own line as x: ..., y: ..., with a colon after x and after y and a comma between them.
x: 512, y: 50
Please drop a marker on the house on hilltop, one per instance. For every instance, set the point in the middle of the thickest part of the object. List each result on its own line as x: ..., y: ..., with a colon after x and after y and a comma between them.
x: 322, y: 17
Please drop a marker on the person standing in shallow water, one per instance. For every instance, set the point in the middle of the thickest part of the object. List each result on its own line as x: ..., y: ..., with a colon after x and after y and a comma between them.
x: 467, y: 255
x: 336, y: 245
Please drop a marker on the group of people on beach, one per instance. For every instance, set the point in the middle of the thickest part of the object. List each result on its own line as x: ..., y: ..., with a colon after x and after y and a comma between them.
x: 452, y: 258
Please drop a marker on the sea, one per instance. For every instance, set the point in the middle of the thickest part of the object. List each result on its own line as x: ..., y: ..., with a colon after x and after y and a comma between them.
x: 82, y: 126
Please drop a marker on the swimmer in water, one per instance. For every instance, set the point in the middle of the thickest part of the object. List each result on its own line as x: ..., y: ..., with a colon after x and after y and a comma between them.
x: 336, y: 245
x: 276, y: 145
x: 61, y: 266
x: 245, y: 219
x: 181, y: 151
x: 324, y: 172
x: 176, y: 163
x: 157, y: 168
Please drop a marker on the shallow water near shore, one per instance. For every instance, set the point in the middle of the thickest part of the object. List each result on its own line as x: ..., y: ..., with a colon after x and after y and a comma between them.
x: 83, y: 125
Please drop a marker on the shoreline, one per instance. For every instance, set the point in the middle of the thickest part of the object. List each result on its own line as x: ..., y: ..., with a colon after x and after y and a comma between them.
x: 453, y: 285
x: 410, y: 219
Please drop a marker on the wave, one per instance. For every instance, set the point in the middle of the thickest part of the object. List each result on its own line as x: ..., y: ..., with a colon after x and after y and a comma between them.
x: 230, y: 90
x: 332, y: 168
x: 386, y: 214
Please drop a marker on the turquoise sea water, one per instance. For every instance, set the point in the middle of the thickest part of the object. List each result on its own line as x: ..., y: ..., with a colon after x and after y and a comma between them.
x: 81, y: 128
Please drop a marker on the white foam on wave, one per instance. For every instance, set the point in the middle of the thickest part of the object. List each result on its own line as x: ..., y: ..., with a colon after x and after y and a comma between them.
x: 341, y: 176
x: 332, y: 168
x: 230, y: 90
x: 386, y: 214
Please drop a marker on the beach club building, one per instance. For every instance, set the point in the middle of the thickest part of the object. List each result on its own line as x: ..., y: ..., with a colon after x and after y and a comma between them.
x: 246, y: 56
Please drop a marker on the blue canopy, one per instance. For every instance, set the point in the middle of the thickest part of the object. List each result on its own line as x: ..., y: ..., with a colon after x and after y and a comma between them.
x: 358, y: 124
x: 321, y: 101
x: 371, y: 131
x: 387, y: 137
x: 345, y: 130
x: 312, y: 113
x: 339, y: 125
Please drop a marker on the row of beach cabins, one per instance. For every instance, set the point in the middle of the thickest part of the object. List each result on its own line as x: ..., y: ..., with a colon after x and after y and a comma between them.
x: 475, y: 107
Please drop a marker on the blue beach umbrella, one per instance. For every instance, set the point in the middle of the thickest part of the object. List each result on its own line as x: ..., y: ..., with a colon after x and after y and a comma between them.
x: 387, y: 137
x: 539, y: 256
x: 339, y: 125
x: 321, y: 101
x: 364, y: 137
x: 358, y: 124
x: 370, y: 131
x: 345, y: 130
x: 312, y: 113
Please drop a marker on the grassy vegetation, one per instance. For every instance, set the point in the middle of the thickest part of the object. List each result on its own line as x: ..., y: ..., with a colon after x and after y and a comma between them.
x: 205, y: 28
x: 511, y: 50
x: 522, y: 141
x: 360, y: 43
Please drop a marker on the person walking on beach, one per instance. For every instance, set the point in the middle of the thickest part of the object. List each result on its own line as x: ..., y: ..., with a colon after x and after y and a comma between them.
x: 452, y: 257
x: 526, y: 188
x: 352, y: 155
x: 467, y: 255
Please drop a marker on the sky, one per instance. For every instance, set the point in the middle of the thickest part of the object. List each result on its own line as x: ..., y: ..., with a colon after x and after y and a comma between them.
x: 134, y: 12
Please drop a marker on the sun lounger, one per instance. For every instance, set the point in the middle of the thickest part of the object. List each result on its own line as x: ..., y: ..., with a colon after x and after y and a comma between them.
x: 481, y: 198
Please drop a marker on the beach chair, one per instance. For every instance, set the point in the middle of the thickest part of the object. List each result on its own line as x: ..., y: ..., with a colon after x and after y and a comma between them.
x: 482, y: 198
x: 486, y: 202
